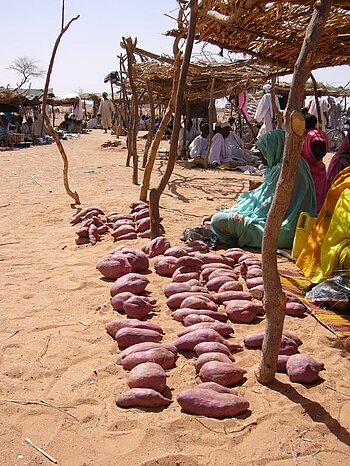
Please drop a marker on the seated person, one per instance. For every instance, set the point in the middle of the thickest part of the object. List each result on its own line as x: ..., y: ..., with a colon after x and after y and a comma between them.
x: 327, y: 250
x: 65, y: 123
x: 315, y: 147
x: 244, y: 223
x: 340, y: 160
x: 217, y: 153
x: 27, y: 129
x: 184, y: 140
x: 235, y: 147
x: 199, y: 145
x: 92, y: 122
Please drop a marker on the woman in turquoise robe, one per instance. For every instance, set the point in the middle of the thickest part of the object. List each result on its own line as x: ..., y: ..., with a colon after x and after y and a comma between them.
x: 244, y: 223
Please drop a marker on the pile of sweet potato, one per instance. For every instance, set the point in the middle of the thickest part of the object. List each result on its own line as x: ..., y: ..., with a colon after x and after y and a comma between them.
x: 92, y: 226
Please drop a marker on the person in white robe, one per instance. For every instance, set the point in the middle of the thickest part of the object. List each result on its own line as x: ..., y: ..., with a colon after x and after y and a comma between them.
x: 199, y: 146
x: 264, y: 112
x: 323, y: 109
x: 217, y: 153
x: 235, y: 149
x: 184, y: 140
x: 106, y: 111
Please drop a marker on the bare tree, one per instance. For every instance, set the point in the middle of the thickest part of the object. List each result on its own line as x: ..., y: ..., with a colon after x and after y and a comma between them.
x: 27, y: 67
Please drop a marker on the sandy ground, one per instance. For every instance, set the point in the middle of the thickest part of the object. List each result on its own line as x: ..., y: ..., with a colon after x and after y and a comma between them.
x: 54, y: 348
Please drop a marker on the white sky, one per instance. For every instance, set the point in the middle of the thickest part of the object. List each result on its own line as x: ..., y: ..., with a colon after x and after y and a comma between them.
x: 89, y: 49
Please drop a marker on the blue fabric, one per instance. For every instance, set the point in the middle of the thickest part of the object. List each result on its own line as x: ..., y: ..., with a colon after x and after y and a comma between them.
x: 244, y: 223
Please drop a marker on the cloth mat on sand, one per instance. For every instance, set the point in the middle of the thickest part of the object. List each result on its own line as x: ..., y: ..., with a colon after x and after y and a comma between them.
x: 337, y: 323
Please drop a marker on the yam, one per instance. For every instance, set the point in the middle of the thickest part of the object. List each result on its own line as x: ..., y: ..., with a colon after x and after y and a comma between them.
x: 282, y: 362
x: 77, y: 217
x: 185, y: 277
x: 144, y: 213
x: 234, y: 253
x: 142, y: 398
x: 221, y: 297
x: 243, y: 311
x: 257, y: 292
x: 145, y: 234
x: 254, y: 272
x: 165, y: 266
x: 120, y: 223
x: 192, y: 319
x: 211, y: 403
x: 190, y: 340
x: 214, y: 284
x: 302, y: 368
x: 138, y: 307
x: 143, y: 225
x: 207, y: 357
x: 197, y: 246
x: 176, y: 287
x: 132, y: 282
x: 181, y: 314
x: 129, y: 336
x: 127, y: 236
x: 216, y: 387
x: 223, y: 272
x: 295, y: 309
x: 79, y: 241
x: 137, y: 259
x: 123, y: 230
x: 141, y: 347
x: 176, y: 251
x: 93, y: 235
x: 156, y: 247
x: 113, y: 266
x: 224, y: 330
x: 212, y: 347
x: 187, y: 271
x: 253, y: 282
x: 161, y: 356
x: 118, y: 300
x: 188, y: 261
x: 198, y: 302
x: 255, y: 340
x: 175, y: 301
x: 226, y: 374
x: 119, y: 216
x: 115, y: 325
x: 147, y: 375
x: 230, y: 286
x: 83, y: 232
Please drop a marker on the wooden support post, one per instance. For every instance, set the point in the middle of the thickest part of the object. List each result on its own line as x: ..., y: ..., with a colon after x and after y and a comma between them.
x: 317, y: 102
x: 274, y: 298
x: 157, y: 192
x: 127, y: 109
x: 211, y: 119
x: 159, y: 134
x: 150, y: 133
x: 277, y: 113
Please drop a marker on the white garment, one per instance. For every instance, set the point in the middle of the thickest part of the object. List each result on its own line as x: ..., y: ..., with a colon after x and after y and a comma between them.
x: 264, y: 113
x: 92, y: 123
x: 106, y: 110
x: 217, y: 154
x: 235, y: 149
x: 181, y: 142
x: 78, y: 110
x: 323, y: 110
x: 199, y: 147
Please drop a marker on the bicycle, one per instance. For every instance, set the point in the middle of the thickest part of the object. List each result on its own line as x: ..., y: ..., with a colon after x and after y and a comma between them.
x: 336, y: 136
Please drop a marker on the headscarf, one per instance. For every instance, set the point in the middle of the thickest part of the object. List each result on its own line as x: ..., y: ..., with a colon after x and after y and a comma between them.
x: 247, y: 218
x: 317, y: 167
x: 340, y: 160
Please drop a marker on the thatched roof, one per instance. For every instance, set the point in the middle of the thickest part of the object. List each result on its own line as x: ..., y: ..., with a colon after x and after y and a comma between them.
x: 12, y: 99
x: 273, y: 32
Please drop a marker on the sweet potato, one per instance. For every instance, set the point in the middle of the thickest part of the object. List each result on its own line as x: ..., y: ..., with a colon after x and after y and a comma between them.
x: 190, y: 340
x: 129, y: 336
x: 188, y: 261
x: 145, y: 234
x: 83, y: 232
x: 288, y: 346
x: 127, y: 236
x: 123, y: 230
x: 165, y: 266
x: 257, y: 292
x: 185, y: 277
x: 156, y: 247
x: 175, y: 301
x: 79, y: 241
x: 180, y: 314
x: 119, y: 216
x: 214, y: 284
x: 230, y: 286
x: 142, y: 347
x: 281, y: 362
x: 207, y: 357
x: 147, y: 375
x: 210, y: 257
x: 101, y: 230
x: 243, y: 311
x: 293, y: 336
x: 231, y: 296
x: 133, y: 282
x: 113, y: 266
x: 247, y: 256
x: 302, y: 368
x: 93, y: 235
x: 195, y: 246
x: 216, y: 387
x: 161, y: 356
x: 254, y: 272
x: 255, y: 340
x: 226, y: 374
x: 138, y: 205
x: 76, y: 219
x: 115, y: 325
x: 142, y: 398
x: 212, y: 347
x: 216, y: 265
x: 198, y: 302
x: 176, y: 287
x: 137, y: 259
x: 253, y: 282
x: 196, y: 319
x: 206, y: 272
x: 118, y: 300
x: 234, y: 253
x: 246, y: 265
x: 120, y: 223
x: 211, y: 403
x: 144, y: 213
x: 176, y: 251
x: 223, y: 272
x: 138, y: 307
x: 143, y: 225
x: 224, y: 330
x: 189, y: 272
x: 295, y: 309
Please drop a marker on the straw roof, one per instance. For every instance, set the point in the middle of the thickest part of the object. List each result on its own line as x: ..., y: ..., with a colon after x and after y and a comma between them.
x: 13, y: 98
x: 273, y: 32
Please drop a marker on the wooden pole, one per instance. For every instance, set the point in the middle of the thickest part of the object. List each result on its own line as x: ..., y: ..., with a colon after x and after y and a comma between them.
x: 159, y: 134
x: 150, y: 133
x: 277, y: 113
x: 46, y: 119
x: 317, y: 102
x: 132, y: 147
x: 211, y: 115
x: 274, y: 298
x: 157, y: 192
